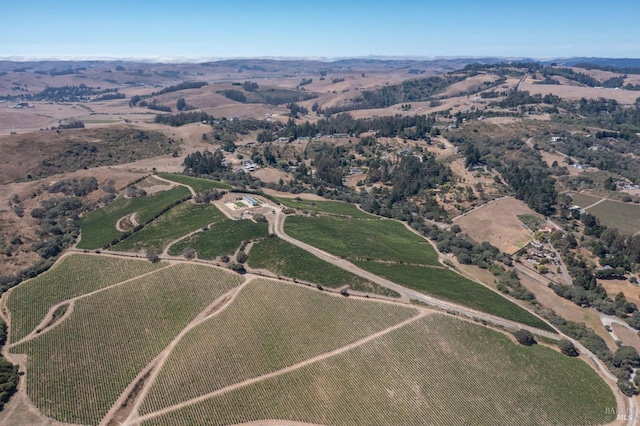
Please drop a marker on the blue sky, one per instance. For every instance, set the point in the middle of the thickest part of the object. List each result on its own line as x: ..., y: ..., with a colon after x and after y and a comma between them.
x: 331, y: 28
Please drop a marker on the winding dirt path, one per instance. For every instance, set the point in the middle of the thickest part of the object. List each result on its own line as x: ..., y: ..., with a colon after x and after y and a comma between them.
x: 127, y: 405
x: 71, y: 303
x: 140, y: 419
x: 132, y: 220
x: 171, y: 182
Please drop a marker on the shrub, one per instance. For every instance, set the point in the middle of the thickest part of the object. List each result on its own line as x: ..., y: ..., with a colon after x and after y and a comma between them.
x: 567, y: 348
x: 524, y: 337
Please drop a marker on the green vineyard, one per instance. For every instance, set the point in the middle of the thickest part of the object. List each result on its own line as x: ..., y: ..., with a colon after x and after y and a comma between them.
x: 436, y: 370
x: 223, y: 237
x: 73, y: 276
x: 76, y: 371
x: 179, y: 221
x: 269, y: 326
x: 362, y: 239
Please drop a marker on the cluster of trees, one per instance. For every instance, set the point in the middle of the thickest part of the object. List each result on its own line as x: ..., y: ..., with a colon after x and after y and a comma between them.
x: 328, y: 161
x: 509, y: 283
x: 585, y: 290
x: 56, y: 232
x: 534, y: 186
x: 267, y: 96
x: 250, y: 86
x: 409, y: 127
x: 234, y: 95
x: 154, y: 105
x: 517, y: 98
x: 8, y: 372
x: 613, y: 248
x: 296, y: 109
x: 628, y: 69
x: 74, y: 124
x: 413, y: 175
x: 181, y: 105
x: 182, y: 86
x: 465, y: 249
x: 78, y: 93
x: 183, y: 118
x: 79, y: 187
x: 204, y: 163
x: 110, y: 96
x: 408, y: 91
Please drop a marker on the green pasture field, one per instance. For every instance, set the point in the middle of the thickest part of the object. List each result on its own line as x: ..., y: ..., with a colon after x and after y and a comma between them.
x: 437, y: 370
x: 77, y: 370
x: 269, y: 325
x: 614, y: 214
x: 223, y: 237
x: 355, y: 239
x: 445, y: 284
x: 331, y: 207
x: 73, y: 276
x: 179, y: 221
x: 290, y: 261
x: 197, y: 184
x: 99, y: 226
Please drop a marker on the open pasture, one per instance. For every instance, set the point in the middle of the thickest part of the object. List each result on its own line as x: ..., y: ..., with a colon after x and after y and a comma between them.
x: 436, y: 370
x: 179, y: 221
x: 331, y: 207
x: 223, y: 237
x: 77, y: 370
x: 197, y: 184
x: 270, y: 325
x: 354, y: 239
x: 445, y: 284
x: 98, y: 227
x: 498, y: 224
x: 73, y: 276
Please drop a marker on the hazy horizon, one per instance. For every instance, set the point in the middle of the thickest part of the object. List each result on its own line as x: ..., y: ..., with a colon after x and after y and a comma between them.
x: 195, y: 29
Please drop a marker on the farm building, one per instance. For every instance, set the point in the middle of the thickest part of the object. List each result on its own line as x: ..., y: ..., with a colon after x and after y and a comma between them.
x: 251, y: 201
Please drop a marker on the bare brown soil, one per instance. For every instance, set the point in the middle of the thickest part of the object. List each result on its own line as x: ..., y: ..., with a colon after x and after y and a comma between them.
x: 627, y: 337
x: 55, y: 317
x: 498, y: 224
x: 630, y: 291
x: 127, y: 406
x: 566, y: 309
x: 127, y: 223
